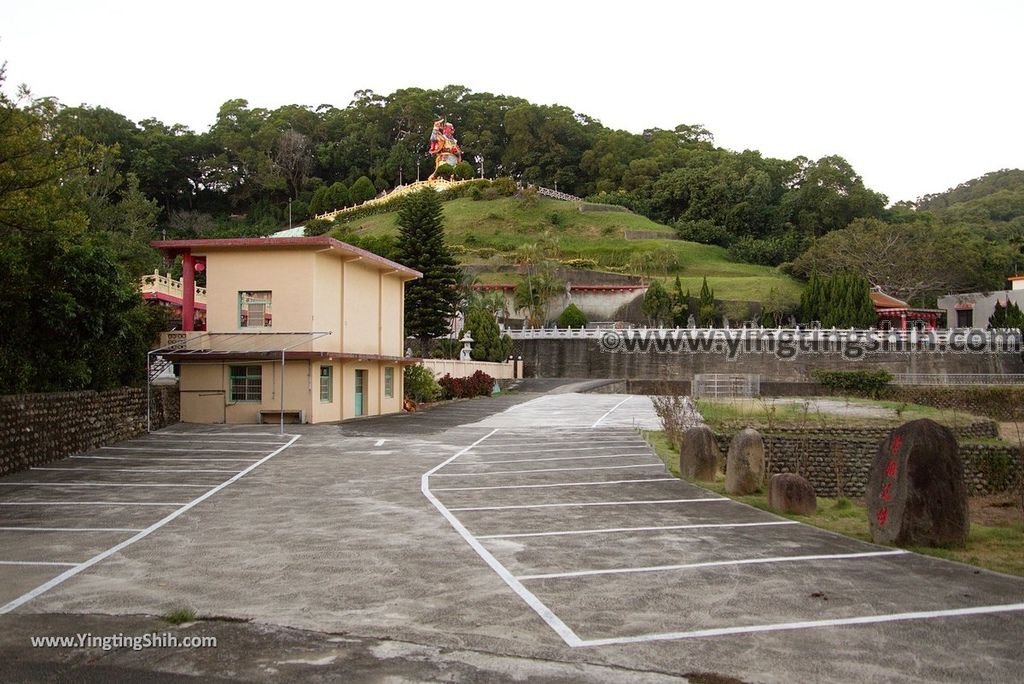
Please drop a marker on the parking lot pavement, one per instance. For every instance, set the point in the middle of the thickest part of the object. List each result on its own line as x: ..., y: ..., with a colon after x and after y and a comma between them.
x: 58, y: 520
x: 584, y: 540
x: 536, y: 525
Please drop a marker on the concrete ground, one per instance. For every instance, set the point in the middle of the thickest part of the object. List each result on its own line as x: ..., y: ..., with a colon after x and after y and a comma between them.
x: 527, y: 536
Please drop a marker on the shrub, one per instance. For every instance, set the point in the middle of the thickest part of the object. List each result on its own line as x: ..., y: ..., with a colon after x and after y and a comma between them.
x: 506, y: 187
x: 362, y: 190
x: 556, y: 219
x: 444, y: 171
x: 463, y: 170
x: 703, y: 231
x: 869, y: 382
x: 580, y: 263
x: 572, y: 317
x: 479, y: 384
x: 317, y: 227
x: 420, y: 385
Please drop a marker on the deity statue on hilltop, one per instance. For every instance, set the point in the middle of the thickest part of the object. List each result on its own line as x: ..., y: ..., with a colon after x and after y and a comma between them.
x: 444, y: 146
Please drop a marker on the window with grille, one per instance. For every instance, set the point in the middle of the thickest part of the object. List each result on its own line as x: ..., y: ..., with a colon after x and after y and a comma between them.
x: 389, y: 382
x: 246, y: 383
x: 326, y: 384
x: 254, y: 309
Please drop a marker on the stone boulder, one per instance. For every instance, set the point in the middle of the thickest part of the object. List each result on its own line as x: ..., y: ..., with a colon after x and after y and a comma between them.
x: 916, y: 494
x: 698, y: 454
x: 790, y: 493
x: 744, y: 465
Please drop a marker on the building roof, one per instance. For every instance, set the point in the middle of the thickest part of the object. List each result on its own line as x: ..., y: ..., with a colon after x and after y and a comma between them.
x: 884, y: 301
x: 172, y: 248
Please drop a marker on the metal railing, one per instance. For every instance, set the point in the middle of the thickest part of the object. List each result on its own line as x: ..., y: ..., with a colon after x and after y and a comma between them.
x: 954, y: 379
x: 721, y: 385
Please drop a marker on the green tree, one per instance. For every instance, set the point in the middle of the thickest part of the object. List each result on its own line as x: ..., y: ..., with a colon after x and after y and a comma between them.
x: 706, y: 309
x: 362, y: 190
x: 431, y: 301
x: 657, y: 305
x: 464, y: 170
x: 489, y: 344
x: 1008, y: 316
x: 572, y: 317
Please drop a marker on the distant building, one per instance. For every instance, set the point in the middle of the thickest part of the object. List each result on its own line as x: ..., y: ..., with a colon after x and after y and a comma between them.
x: 163, y: 290
x: 896, y: 314
x: 973, y: 309
x: 329, y: 314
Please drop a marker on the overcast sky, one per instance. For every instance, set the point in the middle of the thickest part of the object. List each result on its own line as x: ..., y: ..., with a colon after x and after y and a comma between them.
x: 918, y: 96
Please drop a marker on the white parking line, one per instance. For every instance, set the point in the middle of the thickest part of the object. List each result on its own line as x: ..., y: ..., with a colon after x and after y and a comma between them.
x: 623, y: 445
x: 709, y: 564
x: 807, y: 624
x: 190, y: 451
x: 588, y: 503
x: 558, y: 484
x: 598, y: 421
x: 138, y: 470
x: 88, y: 503
x: 98, y: 484
x: 3, y: 562
x: 556, y: 458
x: 150, y: 440
x: 59, y: 579
x: 551, y: 470
x: 531, y: 600
x: 165, y: 458
x: 70, y: 529
x: 272, y: 435
x: 610, y: 530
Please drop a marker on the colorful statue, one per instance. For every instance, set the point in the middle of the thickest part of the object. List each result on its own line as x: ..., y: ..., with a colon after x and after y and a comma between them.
x: 444, y: 146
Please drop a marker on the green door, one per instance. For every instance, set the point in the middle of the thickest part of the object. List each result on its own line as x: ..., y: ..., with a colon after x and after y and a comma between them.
x: 360, y: 391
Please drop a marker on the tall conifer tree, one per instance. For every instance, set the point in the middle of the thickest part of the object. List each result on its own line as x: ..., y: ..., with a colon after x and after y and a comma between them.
x: 431, y: 301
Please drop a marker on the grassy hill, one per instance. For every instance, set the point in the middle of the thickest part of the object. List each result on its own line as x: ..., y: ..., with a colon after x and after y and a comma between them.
x: 488, y: 233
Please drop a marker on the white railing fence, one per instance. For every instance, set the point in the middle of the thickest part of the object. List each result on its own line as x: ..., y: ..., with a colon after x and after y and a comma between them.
x: 722, y: 385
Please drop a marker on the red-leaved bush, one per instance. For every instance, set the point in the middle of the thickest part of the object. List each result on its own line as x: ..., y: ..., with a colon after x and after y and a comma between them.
x: 479, y: 384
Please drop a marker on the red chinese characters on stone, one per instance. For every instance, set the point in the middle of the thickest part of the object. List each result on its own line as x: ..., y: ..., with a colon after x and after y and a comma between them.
x: 887, y: 491
x: 882, y: 516
x: 897, y: 442
x: 890, y: 468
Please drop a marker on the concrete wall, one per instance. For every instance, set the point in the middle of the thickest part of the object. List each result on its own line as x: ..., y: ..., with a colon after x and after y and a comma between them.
x: 461, y: 369
x: 38, y: 428
x: 584, y: 358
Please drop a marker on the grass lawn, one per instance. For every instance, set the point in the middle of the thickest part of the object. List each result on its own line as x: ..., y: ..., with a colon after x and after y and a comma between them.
x: 814, y: 412
x: 997, y: 546
x: 499, y: 227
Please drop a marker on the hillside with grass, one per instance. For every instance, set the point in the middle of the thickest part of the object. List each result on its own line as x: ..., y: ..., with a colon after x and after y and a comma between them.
x: 492, y: 237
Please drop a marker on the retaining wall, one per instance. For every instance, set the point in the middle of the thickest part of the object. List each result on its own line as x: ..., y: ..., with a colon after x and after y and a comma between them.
x: 839, y: 462
x: 38, y: 428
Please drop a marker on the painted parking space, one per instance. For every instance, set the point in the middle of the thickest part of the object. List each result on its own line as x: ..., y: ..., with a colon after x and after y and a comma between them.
x: 572, y: 510
x: 62, y: 518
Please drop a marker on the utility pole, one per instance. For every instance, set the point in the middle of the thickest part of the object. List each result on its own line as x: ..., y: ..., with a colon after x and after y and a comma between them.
x: 289, y: 212
x: 479, y: 159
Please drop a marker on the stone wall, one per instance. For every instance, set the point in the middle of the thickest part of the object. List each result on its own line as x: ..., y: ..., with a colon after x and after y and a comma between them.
x: 38, y: 428
x: 584, y: 358
x: 841, y: 460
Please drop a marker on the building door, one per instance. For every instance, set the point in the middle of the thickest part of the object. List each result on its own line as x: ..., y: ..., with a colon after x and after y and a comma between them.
x: 360, y: 392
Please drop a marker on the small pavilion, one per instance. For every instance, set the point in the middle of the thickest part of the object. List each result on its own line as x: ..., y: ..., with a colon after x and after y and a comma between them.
x: 895, y: 313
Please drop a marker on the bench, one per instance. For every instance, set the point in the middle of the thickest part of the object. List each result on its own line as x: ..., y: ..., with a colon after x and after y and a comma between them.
x: 290, y: 416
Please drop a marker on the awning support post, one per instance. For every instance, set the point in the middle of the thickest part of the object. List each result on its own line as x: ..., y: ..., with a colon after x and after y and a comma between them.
x: 282, y: 391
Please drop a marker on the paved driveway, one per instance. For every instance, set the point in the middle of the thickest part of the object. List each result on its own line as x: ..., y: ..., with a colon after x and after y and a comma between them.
x: 537, y: 526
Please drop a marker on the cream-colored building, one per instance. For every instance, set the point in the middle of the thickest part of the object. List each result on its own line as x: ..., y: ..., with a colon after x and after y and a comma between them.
x: 330, y: 314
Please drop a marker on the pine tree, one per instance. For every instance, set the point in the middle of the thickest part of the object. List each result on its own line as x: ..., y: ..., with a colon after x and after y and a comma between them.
x: 1009, y: 316
x: 488, y: 342
x: 680, y: 309
x: 657, y: 305
x: 706, y: 305
x: 431, y: 301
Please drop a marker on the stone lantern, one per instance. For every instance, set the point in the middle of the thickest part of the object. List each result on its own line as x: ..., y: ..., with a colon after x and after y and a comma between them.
x: 467, y: 348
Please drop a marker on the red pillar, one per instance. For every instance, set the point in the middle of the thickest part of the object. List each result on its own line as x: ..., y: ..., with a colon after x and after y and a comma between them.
x: 903, y: 320
x: 188, y: 291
